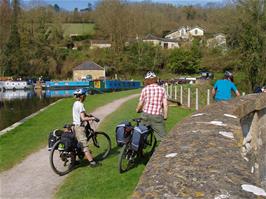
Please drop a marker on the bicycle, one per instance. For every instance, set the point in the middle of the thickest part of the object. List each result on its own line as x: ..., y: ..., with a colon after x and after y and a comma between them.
x: 128, y: 156
x: 62, y: 161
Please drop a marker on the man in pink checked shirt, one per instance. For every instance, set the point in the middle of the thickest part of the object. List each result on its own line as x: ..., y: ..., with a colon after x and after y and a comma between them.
x: 153, y: 104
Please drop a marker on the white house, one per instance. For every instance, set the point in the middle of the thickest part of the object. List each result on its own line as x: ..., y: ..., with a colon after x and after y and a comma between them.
x: 180, y: 33
x: 196, y: 32
x: 185, y: 33
x: 163, y: 42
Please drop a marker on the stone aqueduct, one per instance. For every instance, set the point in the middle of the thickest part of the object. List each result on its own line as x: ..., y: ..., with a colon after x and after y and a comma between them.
x: 211, y: 154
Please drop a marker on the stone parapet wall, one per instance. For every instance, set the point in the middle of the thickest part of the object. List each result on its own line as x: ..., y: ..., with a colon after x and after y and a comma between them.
x: 211, y: 154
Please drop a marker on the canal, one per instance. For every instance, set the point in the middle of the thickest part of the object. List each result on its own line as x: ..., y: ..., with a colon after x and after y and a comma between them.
x: 16, y: 105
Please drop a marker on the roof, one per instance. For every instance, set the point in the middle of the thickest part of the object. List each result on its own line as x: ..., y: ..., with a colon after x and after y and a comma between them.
x: 197, y: 27
x: 152, y: 37
x: 88, y: 65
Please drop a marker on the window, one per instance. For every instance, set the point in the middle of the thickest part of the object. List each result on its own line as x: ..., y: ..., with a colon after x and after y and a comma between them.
x: 196, y: 31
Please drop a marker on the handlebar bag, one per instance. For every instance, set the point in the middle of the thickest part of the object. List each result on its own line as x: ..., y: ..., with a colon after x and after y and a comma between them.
x: 139, y: 135
x: 69, y: 140
x: 122, y: 133
x: 53, y: 137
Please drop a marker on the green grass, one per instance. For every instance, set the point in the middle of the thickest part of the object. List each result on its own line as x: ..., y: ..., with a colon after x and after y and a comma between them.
x: 78, y: 28
x: 105, y: 181
x: 33, y: 134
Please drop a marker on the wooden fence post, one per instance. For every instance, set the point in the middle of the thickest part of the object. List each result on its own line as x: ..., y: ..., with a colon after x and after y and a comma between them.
x: 197, y: 99
x: 188, y: 97
x: 171, y: 91
x: 175, y: 92
x: 181, y: 95
x: 208, y: 96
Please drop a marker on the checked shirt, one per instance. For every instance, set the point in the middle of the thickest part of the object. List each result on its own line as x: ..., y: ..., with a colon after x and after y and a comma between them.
x: 153, y: 96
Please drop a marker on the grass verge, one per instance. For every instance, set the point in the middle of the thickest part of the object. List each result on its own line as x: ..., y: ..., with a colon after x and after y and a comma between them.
x: 105, y: 181
x: 33, y: 134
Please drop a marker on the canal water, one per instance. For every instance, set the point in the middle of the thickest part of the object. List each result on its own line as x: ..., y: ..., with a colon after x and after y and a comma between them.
x: 16, y: 105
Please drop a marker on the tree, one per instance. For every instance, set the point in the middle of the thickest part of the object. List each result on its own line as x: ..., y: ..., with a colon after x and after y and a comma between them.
x: 113, y: 21
x: 5, y: 13
x: 183, y: 61
x: 13, y: 59
x: 251, y: 40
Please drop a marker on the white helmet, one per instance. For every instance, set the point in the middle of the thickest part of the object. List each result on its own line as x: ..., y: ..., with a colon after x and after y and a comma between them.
x: 149, y: 75
x: 80, y: 91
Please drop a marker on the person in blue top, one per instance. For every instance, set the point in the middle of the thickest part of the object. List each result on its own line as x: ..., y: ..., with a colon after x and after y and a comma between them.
x: 222, y: 88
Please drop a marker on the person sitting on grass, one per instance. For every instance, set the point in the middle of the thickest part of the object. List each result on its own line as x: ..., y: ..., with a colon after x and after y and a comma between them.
x: 79, y: 116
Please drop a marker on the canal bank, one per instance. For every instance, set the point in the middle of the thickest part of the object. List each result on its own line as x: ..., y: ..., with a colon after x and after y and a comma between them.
x: 21, y: 181
x: 32, y: 135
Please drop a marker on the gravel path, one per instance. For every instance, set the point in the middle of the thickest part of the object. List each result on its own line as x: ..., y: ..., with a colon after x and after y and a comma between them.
x: 34, y: 178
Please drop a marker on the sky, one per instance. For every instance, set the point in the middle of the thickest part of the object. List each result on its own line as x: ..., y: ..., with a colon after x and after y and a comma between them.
x: 80, y: 4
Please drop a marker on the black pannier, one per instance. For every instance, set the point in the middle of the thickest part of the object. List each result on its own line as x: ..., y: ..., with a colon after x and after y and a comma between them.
x: 53, y: 138
x: 122, y: 132
x: 69, y: 140
x: 139, y: 135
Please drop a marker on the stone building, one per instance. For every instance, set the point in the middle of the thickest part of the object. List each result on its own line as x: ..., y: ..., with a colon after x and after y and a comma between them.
x: 88, y: 70
x: 163, y: 42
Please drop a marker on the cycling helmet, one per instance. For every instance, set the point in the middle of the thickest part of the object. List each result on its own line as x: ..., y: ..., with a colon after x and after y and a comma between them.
x: 150, y: 75
x: 229, y: 75
x: 80, y: 91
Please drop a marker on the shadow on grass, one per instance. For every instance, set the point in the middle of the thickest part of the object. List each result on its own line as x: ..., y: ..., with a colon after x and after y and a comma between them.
x: 85, y: 163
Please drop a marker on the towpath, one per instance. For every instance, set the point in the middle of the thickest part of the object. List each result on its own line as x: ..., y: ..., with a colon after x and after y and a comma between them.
x: 34, y: 178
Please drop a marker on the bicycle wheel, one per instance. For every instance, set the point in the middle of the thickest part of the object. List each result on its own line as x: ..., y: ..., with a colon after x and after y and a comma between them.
x: 126, y: 158
x: 101, y: 146
x: 61, y: 161
x: 149, y: 144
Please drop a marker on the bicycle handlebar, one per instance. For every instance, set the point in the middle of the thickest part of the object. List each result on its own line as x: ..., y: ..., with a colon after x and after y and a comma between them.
x: 95, y: 118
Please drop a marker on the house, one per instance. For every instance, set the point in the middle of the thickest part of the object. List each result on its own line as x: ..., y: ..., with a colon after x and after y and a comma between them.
x: 163, y: 42
x: 218, y: 40
x: 196, y: 31
x: 99, y: 44
x: 185, y: 33
x: 88, y: 69
x: 180, y: 33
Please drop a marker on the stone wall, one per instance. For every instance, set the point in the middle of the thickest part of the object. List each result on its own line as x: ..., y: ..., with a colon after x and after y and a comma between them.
x: 211, y: 154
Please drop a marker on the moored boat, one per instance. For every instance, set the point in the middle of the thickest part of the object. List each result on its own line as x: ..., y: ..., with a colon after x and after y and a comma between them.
x: 15, y: 85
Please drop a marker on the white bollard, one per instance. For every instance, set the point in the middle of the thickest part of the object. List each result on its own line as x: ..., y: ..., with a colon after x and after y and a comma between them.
x: 188, y: 97
x: 243, y: 94
x: 208, y: 96
x: 181, y: 95
x: 197, y: 99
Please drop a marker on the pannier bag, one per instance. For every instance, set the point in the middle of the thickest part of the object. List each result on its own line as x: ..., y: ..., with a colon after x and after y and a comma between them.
x: 53, y: 138
x: 139, y: 135
x: 122, y: 132
x: 69, y: 140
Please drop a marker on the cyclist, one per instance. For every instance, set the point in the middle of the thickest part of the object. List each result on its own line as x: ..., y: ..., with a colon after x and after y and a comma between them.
x: 153, y: 103
x: 79, y: 116
x: 222, y: 88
